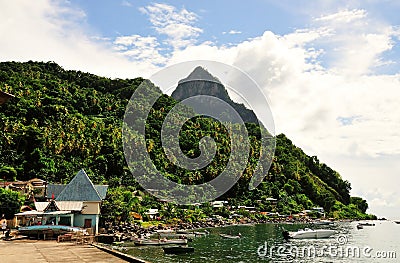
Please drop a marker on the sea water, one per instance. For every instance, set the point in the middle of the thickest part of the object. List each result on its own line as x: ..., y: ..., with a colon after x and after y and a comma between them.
x: 264, y: 243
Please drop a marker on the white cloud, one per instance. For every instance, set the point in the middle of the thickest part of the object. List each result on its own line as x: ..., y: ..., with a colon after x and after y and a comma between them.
x: 232, y: 32
x: 356, y: 42
x: 177, y: 25
x: 374, y: 179
x: 47, y: 30
x: 126, y: 3
x: 139, y: 48
x: 344, y: 16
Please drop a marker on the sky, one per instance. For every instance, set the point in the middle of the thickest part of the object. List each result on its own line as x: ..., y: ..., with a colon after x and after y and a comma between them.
x: 330, y: 68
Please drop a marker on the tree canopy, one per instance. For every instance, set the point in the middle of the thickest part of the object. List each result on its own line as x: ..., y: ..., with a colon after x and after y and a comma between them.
x: 63, y: 120
x: 10, y: 202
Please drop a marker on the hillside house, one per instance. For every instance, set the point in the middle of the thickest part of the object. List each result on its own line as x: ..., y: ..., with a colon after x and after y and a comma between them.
x: 75, y: 204
x: 34, y: 187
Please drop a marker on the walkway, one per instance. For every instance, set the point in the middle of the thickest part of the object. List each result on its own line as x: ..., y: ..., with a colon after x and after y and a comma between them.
x: 34, y: 251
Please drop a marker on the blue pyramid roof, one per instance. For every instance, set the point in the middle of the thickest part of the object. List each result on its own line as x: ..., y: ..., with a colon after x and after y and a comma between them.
x: 102, y: 190
x: 55, y: 189
x: 80, y: 188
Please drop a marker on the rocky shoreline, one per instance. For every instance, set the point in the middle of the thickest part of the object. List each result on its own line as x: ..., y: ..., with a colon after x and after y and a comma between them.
x: 134, y: 231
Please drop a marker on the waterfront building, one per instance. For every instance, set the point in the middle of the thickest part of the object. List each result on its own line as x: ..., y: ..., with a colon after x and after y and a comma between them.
x: 75, y: 204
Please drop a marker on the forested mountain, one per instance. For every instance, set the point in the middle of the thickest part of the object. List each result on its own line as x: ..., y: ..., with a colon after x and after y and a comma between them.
x: 61, y: 121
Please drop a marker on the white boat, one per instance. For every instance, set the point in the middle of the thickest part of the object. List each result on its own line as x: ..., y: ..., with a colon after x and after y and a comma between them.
x: 165, y: 231
x: 309, y: 233
x: 230, y: 236
x: 160, y: 242
x: 174, y: 235
x: 322, y: 222
x: 197, y: 233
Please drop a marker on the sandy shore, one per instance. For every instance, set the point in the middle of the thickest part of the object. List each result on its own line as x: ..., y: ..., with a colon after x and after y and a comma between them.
x: 35, y: 251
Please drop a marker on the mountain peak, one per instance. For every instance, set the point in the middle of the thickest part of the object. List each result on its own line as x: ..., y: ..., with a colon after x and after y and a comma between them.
x: 201, y: 82
x: 200, y: 73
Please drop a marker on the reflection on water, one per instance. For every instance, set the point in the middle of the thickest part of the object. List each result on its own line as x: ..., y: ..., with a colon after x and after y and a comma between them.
x: 264, y: 243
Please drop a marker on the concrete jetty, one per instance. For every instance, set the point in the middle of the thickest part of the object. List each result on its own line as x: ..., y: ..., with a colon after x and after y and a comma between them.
x: 39, y: 251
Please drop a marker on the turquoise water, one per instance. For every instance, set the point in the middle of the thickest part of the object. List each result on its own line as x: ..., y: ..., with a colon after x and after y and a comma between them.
x: 264, y: 243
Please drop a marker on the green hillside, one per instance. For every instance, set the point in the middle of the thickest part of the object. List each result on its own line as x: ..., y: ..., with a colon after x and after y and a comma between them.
x: 61, y: 121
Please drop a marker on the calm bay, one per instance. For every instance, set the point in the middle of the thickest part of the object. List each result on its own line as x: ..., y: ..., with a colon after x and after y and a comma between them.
x: 264, y: 243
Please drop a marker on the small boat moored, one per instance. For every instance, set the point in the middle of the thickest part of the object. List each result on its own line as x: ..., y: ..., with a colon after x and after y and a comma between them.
x: 360, y: 226
x: 322, y: 222
x: 230, y: 236
x: 164, y: 231
x: 309, y: 233
x: 178, y: 250
x: 366, y: 224
x: 160, y: 242
x: 198, y: 233
x: 38, y: 230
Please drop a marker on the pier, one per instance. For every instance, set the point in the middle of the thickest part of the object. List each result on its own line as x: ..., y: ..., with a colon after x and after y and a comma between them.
x: 39, y: 251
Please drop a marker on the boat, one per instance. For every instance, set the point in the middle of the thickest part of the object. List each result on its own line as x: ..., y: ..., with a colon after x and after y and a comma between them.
x: 397, y: 222
x: 41, y: 229
x: 174, y: 235
x: 178, y: 250
x: 322, y: 222
x: 165, y: 234
x: 309, y: 233
x: 230, y: 236
x: 198, y: 233
x: 366, y: 224
x: 160, y: 242
x: 360, y: 226
x: 164, y: 231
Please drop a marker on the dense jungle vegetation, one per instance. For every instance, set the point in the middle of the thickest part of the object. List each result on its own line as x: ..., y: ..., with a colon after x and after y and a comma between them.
x: 63, y: 120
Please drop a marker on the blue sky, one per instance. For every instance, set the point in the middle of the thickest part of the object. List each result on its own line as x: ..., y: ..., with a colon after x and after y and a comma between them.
x: 215, y: 17
x: 228, y: 23
x: 330, y: 68
x: 113, y: 18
